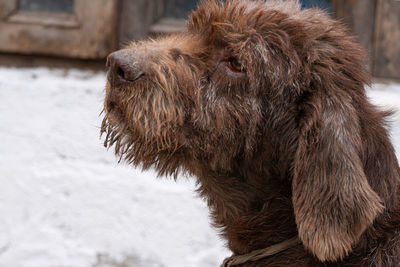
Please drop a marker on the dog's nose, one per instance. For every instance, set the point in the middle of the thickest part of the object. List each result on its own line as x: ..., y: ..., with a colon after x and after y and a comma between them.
x: 123, y: 68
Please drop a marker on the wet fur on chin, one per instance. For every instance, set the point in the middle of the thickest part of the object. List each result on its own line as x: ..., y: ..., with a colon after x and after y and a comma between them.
x: 287, y: 145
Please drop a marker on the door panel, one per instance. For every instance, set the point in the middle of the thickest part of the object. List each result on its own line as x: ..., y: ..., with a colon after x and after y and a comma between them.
x: 71, y: 28
x: 387, y: 36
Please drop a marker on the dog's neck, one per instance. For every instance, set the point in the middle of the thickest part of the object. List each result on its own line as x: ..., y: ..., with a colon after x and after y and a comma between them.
x: 254, y: 210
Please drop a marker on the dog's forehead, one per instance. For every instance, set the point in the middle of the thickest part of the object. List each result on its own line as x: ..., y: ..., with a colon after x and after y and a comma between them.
x: 239, y: 13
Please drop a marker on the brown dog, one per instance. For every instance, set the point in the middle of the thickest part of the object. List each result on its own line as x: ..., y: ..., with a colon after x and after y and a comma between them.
x: 265, y: 104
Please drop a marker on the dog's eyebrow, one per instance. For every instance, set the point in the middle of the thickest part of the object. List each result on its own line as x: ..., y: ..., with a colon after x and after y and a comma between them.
x: 175, y: 53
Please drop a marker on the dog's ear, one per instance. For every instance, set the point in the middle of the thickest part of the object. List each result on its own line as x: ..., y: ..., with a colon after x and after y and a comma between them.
x: 333, y: 201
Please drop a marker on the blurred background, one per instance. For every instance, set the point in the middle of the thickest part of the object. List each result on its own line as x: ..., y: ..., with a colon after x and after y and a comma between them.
x: 90, y: 30
x: 64, y: 199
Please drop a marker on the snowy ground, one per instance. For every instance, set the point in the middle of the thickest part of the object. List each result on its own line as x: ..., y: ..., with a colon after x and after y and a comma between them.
x: 64, y: 200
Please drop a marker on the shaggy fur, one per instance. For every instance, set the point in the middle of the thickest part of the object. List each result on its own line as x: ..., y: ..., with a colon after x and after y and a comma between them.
x: 264, y: 103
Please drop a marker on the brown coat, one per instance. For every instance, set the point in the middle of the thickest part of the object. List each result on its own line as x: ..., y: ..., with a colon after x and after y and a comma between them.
x: 265, y: 104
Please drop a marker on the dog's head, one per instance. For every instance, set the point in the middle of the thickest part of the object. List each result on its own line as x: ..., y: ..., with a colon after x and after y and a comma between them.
x: 244, y: 75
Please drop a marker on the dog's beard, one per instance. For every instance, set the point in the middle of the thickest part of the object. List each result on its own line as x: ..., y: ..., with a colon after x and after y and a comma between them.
x: 133, y: 148
x: 143, y: 128
x: 118, y: 135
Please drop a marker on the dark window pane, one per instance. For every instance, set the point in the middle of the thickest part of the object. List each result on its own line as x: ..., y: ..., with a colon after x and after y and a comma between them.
x: 324, y: 4
x: 179, y: 8
x: 57, y: 6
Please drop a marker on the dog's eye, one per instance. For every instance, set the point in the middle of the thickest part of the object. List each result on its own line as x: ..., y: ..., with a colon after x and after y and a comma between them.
x: 235, y: 65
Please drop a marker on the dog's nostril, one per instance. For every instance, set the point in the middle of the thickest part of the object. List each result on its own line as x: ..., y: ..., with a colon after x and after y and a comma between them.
x: 129, y: 74
x: 121, y: 73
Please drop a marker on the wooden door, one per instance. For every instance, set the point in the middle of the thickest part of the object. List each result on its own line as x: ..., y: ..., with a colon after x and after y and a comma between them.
x: 387, y: 39
x: 68, y: 28
x: 359, y: 15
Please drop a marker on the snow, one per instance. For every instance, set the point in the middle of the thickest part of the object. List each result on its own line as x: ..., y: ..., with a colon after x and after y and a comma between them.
x: 64, y: 200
